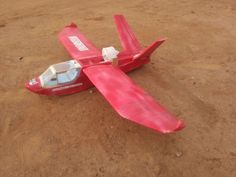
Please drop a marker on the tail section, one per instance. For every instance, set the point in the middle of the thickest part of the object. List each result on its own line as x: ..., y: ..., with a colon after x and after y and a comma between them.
x: 150, y: 49
x: 127, y: 37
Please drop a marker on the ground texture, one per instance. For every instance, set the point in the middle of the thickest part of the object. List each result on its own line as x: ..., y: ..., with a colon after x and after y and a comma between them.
x: 193, y: 74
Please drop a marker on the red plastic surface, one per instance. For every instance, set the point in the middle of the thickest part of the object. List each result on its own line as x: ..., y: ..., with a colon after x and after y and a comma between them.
x: 77, y: 44
x: 129, y: 100
x: 126, y: 35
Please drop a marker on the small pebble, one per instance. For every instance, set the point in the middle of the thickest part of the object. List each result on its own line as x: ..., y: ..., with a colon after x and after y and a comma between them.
x: 90, y: 91
x: 21, y: 58
x: 178, y: 154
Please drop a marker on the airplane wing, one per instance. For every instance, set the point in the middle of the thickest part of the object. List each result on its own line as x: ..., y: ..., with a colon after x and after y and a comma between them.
x: 129, y: 100
x: 76, y: 43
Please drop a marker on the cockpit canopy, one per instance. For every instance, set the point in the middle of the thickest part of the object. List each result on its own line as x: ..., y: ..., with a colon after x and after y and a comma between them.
x: 60, y: 73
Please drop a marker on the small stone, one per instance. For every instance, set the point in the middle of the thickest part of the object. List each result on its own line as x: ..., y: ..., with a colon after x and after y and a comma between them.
x: 178, y: 154
x: 21, y: 58
x: 90, y: 91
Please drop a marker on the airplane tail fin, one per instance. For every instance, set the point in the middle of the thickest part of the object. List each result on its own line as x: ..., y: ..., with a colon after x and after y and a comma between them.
x: 126, y: 35
x: 150, y: 49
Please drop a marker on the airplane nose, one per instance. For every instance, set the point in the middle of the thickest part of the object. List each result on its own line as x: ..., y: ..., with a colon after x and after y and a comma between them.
x: 27, y: 85
x: 33, y: 85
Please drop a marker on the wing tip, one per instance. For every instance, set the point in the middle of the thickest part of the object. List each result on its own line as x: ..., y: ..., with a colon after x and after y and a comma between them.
x: 118, y: 16
x: 72, y: 25
x: 179, y: 126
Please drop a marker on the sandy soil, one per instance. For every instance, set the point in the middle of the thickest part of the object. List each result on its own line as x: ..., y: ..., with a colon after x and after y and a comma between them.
x: 193, y: 74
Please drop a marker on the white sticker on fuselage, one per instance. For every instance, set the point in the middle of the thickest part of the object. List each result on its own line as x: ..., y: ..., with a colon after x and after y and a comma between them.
x: 78, y: 43
x: 66, y: 87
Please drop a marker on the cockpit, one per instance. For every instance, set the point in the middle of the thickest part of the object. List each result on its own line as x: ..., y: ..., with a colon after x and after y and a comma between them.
x: 60, y: 73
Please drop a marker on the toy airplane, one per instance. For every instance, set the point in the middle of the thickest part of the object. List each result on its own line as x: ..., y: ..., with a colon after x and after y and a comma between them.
x: 106, y: 71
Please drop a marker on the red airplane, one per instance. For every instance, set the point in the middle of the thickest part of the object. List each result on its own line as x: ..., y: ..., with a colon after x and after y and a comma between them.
x: 106, y: 71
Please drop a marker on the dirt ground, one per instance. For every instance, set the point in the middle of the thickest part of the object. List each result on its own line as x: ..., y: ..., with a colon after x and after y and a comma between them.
x: 193, y: 74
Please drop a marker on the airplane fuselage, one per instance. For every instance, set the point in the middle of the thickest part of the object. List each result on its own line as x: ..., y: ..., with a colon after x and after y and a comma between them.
x: 125, y: 62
